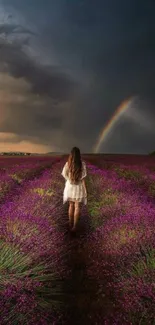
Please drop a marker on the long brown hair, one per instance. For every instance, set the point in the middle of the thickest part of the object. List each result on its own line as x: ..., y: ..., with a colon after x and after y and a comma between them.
x: 75, y: 164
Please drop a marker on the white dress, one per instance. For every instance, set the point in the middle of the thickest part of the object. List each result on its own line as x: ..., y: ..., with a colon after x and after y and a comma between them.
x: 74, y: 192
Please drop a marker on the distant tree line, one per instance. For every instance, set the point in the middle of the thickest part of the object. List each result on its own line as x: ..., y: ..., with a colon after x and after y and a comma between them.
x: 152, y: 153
x: 15, y: 153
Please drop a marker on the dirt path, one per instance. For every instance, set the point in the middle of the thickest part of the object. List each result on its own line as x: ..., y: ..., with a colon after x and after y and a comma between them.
x: 87, y: 301
x: 80, y: 289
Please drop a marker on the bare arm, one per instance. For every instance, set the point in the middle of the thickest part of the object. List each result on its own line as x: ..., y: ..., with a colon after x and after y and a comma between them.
x: 65, y: 172
x: 84, y: 184
x: 84, y: 174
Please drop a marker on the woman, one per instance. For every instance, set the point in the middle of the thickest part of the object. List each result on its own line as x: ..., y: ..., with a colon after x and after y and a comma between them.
x: 75, y: 191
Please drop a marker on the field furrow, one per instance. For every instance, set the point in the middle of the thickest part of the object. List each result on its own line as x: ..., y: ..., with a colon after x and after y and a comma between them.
x: 104, y: 273
x: 32, y: 254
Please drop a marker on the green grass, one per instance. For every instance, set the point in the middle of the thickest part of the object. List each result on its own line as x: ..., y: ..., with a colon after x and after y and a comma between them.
x: 128, y: 174
x: 145, y: 264
x: 42, y: 192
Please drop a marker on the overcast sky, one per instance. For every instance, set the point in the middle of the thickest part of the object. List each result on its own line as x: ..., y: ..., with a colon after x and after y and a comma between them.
x: 66, y: 66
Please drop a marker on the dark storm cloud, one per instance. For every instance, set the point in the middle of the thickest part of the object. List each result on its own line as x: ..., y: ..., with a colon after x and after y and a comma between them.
x: 117, y: 44
x: 108, y: 46
x: 48, y: 122
x: 24, y: 113
x: 44, y: 80
x: 112, y: 42
x: 8, y: 29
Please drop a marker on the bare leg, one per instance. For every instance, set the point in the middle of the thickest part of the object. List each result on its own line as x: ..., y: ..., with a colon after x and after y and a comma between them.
x: 71, y: 212
x: 76, y: 214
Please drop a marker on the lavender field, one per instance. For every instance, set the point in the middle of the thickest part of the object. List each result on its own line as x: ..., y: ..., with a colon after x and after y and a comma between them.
x: 105, y: 274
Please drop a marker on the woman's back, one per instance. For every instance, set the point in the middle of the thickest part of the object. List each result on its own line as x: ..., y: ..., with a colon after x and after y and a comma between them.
x: 83, y: 173
x: 74, y: 172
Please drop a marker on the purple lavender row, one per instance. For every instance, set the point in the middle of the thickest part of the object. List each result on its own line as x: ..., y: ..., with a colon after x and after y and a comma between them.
x: 33, y: 253
x: 18, y: 174
x: 140, y: 176
x: 121, y: 251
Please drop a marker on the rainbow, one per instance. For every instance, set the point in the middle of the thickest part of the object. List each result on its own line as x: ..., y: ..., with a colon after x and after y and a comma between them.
x: 116, y: 116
